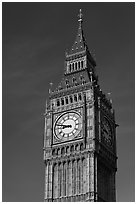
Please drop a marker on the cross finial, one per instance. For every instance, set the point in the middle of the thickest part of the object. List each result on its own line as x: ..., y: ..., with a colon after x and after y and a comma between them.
x: 80, y: 15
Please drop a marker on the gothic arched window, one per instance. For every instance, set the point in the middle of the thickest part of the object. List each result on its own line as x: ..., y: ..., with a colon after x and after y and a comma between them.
x: 53, y: 152
x: 75, y: 98
x: 82, y: 63
x: 81, y: 146
x: 71, y: 99
x: 72, y: 148
x: 76, y: 65
x: 67, y: 149
x: 58, y: 151
x: 73, y: 67
x: 79, y: 65
x: 80, y: 97
x: 62, y: 101
x: 58, y: 103
x: 63, y: 150
x: 73, y: 79
x: 66, y: 100
x: 76, y: 147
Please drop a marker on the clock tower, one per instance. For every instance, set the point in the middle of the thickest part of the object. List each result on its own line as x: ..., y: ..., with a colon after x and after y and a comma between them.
x: 80, y: 133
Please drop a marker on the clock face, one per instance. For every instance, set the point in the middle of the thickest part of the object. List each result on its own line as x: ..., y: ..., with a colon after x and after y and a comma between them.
x: 106, y: 131
x: 68, y: 126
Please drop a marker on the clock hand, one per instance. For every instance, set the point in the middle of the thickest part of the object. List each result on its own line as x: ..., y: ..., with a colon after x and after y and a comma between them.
x: 64, y: 126
x: 67, y: 126
x: 59, y: 125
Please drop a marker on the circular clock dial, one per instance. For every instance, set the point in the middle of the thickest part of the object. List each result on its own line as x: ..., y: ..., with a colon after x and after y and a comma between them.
x: 67, y: 126
x: 106, y: 131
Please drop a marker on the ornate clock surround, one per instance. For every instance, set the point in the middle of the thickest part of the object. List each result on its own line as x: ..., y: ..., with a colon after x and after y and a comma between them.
x: 72, y: 114
x: 106, y: 131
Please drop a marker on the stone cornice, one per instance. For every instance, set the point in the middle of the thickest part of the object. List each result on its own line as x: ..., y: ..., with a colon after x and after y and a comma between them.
x: 71, y: 90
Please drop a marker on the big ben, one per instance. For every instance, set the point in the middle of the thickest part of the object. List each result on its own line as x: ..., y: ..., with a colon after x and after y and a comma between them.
x: 80, y: 133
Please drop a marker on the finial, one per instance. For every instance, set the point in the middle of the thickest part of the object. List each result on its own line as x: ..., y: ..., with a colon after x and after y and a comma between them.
x: 80, y: 15
x: 51, y: 84
x: 46, y: 107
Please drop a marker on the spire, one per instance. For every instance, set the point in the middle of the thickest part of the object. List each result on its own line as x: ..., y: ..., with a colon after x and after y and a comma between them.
x: 79, y: 51
x: 79, y: 44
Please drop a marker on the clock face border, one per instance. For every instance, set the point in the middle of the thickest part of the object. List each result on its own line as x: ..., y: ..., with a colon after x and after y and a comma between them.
x: 106, y: 132
x: 71, y: 132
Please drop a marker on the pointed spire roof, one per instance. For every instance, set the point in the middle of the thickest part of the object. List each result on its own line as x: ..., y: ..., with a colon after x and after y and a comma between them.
x: 80, y: 48
x: 79, y: 44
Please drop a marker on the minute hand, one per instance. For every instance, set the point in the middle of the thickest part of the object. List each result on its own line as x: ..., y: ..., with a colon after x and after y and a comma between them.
x: 64, y: 126
x: 67, y: 126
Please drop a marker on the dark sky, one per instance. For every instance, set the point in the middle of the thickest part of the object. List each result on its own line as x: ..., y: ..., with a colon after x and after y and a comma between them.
x: 35, y: 37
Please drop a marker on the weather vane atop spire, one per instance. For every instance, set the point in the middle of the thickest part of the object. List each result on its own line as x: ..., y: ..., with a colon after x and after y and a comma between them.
x: 80, y: 15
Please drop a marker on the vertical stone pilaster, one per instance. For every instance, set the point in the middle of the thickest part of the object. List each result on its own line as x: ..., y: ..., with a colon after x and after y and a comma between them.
x: 91, y: 178
x: 62, y: 190
x: 67, y: 182
x: 81, y: 175
x: 64, y: 180
x: 109, y: 189
x: 46, y: 181
x: 73, y: 177
x: 113, y: 187
x: 76, y: 167
x: 95, y: 179
x: 55, y: 181
x: 59, y: 180
x: 51, y: 181
x: 84, y: 120
x: 67, y: 178
x: 88, y: 173
x: 84, y: 176
x: 70, y: 184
